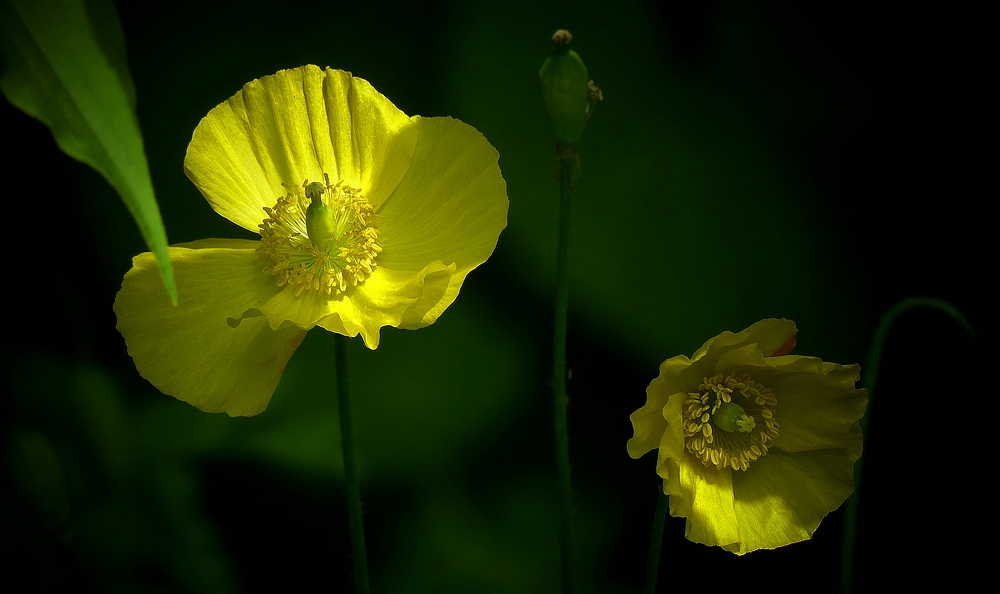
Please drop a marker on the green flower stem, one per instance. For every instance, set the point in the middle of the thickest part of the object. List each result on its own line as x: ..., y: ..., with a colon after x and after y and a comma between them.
x: 350, y: 467
x: 559, y: 398
x: 868, y: 382
x: 656, y: 540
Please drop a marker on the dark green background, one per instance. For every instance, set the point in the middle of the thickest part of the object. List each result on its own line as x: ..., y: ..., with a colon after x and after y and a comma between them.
x: 750, y: 160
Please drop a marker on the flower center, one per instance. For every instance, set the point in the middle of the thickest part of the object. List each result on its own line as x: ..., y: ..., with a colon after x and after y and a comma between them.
x: 729, y: 422
x: 320, y: 237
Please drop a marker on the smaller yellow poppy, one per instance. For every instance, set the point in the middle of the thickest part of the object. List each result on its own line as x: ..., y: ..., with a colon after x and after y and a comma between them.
x: 756, y: 446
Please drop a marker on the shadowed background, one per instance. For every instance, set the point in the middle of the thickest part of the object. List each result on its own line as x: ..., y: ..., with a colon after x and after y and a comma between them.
x: 749, y: 160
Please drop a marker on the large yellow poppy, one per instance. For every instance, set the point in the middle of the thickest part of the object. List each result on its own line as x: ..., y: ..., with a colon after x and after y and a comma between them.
x: 368, y: 218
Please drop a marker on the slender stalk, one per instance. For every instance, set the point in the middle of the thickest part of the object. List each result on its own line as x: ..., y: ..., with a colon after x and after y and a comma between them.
x: 872, y: 364
x: 655, y: 540
x: 350, y: 467
x: 559, y: 398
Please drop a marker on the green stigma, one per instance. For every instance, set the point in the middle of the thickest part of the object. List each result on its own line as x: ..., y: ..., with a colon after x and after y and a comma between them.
x: 731, y: 417
x: 314, y: 191
x: 321, y: 225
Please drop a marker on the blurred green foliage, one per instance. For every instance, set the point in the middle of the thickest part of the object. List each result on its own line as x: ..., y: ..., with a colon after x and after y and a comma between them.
x: 733, y: 173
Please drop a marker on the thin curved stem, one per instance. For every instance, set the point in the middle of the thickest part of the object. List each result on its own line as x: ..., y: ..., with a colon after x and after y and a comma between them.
x: 872, y: 363
x: 656, y: 540
x: 350, y: 467
x: 559, y: 398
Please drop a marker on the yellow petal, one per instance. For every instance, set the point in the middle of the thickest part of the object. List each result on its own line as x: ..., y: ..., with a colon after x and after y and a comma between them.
x: 704, y: 496
x: 672, y: 442
x: 648, y: 423
x: 294, y: 125
x: 769, y: 336
x: 452, y: 203
x: 701, y: 494
x: 783, y: 496
x: 192, y: 351
x: 818, y: 404
x: 450, y: 207
x: 745, y: 356
x: 381, y: 300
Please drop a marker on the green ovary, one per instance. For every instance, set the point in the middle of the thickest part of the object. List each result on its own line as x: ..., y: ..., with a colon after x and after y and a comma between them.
x: 321, y: 225
x: 731, y: 417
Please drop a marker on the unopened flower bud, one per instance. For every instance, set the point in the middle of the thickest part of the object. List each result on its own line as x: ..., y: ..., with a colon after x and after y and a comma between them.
x: 565, y: 90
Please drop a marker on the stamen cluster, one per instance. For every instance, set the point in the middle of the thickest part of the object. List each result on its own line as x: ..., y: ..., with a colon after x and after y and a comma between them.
x: 729, y: 449
x: 341, y: 261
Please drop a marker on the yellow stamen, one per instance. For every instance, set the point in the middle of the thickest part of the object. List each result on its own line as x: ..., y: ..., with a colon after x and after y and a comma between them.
x: 321, y: 239
x: 730, y: 404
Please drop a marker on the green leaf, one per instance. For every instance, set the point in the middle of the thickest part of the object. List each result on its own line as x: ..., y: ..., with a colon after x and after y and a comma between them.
x: 65, y: 65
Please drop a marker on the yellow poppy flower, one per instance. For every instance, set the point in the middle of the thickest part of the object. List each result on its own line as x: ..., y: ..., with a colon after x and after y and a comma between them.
x: 368, y: 218
x: 756, y: 446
